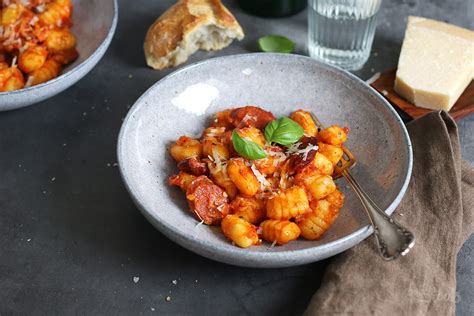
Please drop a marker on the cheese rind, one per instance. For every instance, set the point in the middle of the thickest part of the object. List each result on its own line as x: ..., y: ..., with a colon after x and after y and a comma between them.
x: 436, y: 63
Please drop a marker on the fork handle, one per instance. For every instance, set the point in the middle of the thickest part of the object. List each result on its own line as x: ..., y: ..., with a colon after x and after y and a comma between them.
x: 393, y: 239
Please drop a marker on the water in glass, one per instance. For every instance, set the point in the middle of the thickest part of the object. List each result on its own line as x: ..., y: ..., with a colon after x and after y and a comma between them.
x: 340, y: 32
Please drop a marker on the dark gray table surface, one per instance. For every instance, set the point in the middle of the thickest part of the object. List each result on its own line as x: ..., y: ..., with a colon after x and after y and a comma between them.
x: 72, y: 241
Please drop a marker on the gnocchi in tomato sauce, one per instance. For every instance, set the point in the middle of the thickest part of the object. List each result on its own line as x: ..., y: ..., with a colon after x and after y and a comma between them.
x: 261, y: 178
x: 35, y: 41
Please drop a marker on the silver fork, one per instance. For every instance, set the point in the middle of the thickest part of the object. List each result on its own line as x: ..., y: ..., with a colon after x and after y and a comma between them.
x: 392, y: 238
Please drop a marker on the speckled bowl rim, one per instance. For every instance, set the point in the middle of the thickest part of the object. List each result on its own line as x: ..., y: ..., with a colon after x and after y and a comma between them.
x: 101, y: 49
x: 264, y: 259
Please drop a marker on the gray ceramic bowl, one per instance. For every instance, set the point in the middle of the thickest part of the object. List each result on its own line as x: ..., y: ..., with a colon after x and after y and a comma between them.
x: 182, y: 103
x: 94, y: 26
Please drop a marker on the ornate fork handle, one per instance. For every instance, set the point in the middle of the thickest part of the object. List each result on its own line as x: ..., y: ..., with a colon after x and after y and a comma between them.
x: 393, y: 239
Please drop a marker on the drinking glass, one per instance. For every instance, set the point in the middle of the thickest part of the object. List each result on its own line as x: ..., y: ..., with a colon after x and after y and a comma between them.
x: 341, y: 32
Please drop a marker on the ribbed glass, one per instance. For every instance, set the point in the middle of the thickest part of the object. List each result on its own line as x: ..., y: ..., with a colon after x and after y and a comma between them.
x: 340, y: 32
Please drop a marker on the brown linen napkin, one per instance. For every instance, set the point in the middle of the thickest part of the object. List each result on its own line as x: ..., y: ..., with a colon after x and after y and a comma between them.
x: 439, y: 208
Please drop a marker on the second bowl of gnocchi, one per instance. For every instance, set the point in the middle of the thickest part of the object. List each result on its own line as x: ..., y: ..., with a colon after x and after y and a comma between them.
x: 48, y: 45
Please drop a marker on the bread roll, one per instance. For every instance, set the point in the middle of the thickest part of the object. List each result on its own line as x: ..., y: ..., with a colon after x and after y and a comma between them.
x: 187, y: 26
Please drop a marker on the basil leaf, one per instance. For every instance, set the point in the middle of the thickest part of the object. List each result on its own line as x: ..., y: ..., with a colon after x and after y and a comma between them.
x: 283, y: 131
x: 246, y: 148
x: 275, y: 44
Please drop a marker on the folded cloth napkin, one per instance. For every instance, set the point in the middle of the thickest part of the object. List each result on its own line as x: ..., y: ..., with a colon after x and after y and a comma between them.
x: 439, y: 208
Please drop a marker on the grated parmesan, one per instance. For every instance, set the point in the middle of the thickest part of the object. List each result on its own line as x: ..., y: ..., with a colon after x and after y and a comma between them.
x: 282, y: 180
x: 40, y: 8
x: 280, y: 157
x: 306, y: 150
x: 248, y: 117
x: 263, y: 182
x: 294, y: 150
x: 34, y: 20
x: 29, y: 81
x: 218, y: 159
x: 215, y: 131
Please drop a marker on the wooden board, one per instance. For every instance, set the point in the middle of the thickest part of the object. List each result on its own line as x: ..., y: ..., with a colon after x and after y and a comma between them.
x: 384, y: 84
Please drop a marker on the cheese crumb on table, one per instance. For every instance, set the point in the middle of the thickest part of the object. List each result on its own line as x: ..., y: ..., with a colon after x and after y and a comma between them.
x: 436, y: 63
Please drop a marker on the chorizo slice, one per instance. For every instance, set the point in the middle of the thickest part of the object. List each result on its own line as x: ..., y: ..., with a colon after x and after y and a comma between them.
x: 306, y: 151
x: 194, y: 166
x: 248, y: 116
x: 207, y: 201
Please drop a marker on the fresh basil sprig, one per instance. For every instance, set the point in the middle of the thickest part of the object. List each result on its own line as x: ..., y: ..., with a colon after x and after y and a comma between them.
x: 283, y: 131
x: 275, y: 44
x: 246, y: 148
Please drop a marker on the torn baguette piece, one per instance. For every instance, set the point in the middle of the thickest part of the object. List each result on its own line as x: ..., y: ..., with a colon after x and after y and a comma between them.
x: 187, y: 26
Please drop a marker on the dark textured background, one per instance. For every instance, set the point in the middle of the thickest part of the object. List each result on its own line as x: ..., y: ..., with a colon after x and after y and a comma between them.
x: 71, y: 239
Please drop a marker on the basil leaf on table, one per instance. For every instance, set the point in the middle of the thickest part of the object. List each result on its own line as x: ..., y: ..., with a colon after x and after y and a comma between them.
x: 275, y: 44
x: 283, y: 131
x: 246, y: 148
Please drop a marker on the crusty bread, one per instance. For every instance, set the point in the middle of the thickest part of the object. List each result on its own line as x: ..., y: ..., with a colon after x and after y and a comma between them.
x: 187, y: 26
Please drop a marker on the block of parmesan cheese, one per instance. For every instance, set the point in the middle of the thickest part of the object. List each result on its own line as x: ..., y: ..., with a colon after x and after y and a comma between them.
x: 436, y: 63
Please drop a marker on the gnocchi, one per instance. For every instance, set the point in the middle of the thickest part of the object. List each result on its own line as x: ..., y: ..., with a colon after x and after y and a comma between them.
x: 315, y: 223
x: 250, y: 209
x: 218, y: 173
x: 287, y: 204
x: 32, y: 58
x: 252, y: 134
x: 288, y: 191
x: 182, y: 180
x: 279, y: 231
x: 186, y: 147
x: 243, y: 177
x: 331, y: 152
x: 211, y: 147
x: 306, y: 121
x: 333, y: 135
x: 241, y: 232
x: 11, y: 79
